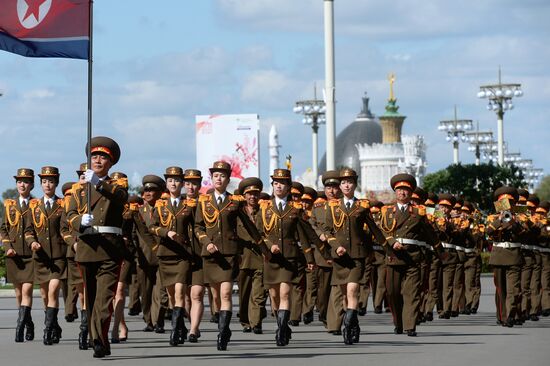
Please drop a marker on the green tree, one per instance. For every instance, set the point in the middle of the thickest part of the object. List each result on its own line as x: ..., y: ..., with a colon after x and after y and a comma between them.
x: 472, y: 182
x: 543, y: 191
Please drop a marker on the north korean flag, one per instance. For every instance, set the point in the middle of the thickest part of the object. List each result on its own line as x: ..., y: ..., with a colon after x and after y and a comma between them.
x: 45, y: 28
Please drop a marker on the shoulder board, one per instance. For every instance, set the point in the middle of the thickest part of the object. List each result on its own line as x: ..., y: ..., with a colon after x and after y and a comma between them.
x: 10, y: 202
x: 34, y: 203
x: 318, y: 203
x: 491, y: 217
x: 76, y: 187
x: 61, y: 202
x: 265, y: 203
x: 160, y: 203
x: 191, y: 202
x: 297, y: 205
x: 364, y: 203
x: 134, y: 206
x: 121, y: 182
x: 237, y: 197
x: 334, y: 202
x: 421, y: 210
x: 320, y: 200
x: 204, y: 197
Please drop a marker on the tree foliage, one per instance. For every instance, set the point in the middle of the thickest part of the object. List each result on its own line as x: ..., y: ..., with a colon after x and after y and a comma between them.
x: 543, y: 191
x: 472, y: 182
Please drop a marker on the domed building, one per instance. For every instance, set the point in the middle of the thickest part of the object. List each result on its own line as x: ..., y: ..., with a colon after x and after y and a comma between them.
x: 365, y: 129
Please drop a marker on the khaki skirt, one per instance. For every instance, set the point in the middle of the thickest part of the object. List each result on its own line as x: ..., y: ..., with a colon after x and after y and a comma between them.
x: 73, y: 272
x: 220, y: 268
x: 54, y: 269
x: 20, y: 269
x: 346, y: 270
x: 174, y: 270
x: 280, y: 269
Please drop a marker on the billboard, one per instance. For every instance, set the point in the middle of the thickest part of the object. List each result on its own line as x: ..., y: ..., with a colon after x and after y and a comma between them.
x: 233, y: 138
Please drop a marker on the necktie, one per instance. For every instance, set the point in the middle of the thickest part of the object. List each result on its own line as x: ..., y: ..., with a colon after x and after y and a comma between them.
x: 348, y: 205
x: 25, y: 205
x: 280, y: 206
x: 403, y: 209
x: 175, y: 203
x: 48, y: 207
x: 219, y: 201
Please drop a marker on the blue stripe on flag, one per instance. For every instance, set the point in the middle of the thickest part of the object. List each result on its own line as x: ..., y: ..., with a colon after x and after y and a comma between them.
x: 47, y: 48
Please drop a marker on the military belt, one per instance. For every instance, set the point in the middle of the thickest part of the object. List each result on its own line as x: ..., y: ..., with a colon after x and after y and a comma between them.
x: 529, y: 247
x: 507, y: 245
x: 376, y: 247
x: 103, y: 230
x: 448, y: 246
x: 412, y: 242
x: 468, y: 250
x: 459, y: 248
x: 544, y: 250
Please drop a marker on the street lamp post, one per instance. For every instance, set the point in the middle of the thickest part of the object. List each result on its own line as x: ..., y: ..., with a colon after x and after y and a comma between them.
x: 330, y: 88
x: 500, y: 100
x: 455, y: 128
x: 314, y: 115
x: 477, y: 139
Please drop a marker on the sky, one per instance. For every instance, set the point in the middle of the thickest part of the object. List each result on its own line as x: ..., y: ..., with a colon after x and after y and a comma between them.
x: 158, y: 64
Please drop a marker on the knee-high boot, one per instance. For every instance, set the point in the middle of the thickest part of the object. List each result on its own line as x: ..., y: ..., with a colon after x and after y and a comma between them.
x: 224, y: 334
x: 83, y: 335
x: 48, y: 326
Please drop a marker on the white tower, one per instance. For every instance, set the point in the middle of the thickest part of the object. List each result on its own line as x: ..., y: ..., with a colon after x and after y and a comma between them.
x: 273, y: 149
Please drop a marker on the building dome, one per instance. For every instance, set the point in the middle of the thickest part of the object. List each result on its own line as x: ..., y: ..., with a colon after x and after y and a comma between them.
x: 364, y: 130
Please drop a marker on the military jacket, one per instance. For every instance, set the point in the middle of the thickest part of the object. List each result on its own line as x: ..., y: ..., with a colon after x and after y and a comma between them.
x: 108, y: 199
x: 316, y: 220
x: 13, y: 228
x: 147, y: 243
x: 513, y: 231
x: 352, y: 229
x: 288, y: 229
x: 251, y: 256
x: 167, y: 217
x: 412, y: 224
x: 45, y: 228
x: 218, y: 224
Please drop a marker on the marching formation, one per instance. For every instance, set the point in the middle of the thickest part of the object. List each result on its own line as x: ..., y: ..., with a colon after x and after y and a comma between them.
x: 303, y: 250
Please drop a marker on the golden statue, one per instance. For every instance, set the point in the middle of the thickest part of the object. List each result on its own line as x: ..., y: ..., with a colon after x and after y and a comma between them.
x: 391, y: 79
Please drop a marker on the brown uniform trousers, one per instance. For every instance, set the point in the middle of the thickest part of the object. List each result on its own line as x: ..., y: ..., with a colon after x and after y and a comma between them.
x: 449, y: 233
x: 252, y: 293
x: 379, y: 293
x: 99, y: 254
x: 507, y: 262
x: 403, y: 280
x: 153, y: 309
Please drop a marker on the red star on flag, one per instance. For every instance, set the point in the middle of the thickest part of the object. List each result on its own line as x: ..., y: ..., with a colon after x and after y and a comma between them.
x: 33, y: 8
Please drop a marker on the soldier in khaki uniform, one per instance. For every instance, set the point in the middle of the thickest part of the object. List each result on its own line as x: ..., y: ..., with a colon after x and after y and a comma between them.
x: 530, y: 268
x: 312, y: 286
x: 153, y: 311
x: 19, y: 262
x: 252, y: 296
x: 349, y: 229
x: 434, y: 271
x: 507, y: 231
x: 216, y: 229
x: 379, y: 292
x: 534, y: 304
x: 100, y: 247
x: 407, y: 230
x: 541, y: 219
x: 192, y: 179
x: 419, y: 197
x: 458, y: 280
x: 44, y: 236
x: 330, y: 300
x: 283, y: 224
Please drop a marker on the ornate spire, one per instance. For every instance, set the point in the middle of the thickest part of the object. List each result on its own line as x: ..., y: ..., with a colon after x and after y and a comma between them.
x: 365, y: 111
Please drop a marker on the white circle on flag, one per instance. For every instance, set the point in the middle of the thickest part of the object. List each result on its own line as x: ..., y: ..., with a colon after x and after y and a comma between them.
x: 36, y: 16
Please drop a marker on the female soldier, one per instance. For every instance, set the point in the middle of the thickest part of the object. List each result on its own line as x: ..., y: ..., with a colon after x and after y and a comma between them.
x: 351, y: 243
x: 284, y: 225
x: 172, y: 222
x: 128, y: 265
x: 216, y: 229
x: 44, y: 237
x: 192, y: 182
x: 19, y: 262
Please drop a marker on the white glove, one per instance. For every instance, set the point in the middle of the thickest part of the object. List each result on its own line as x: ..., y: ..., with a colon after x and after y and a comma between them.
x: 91, y: 177
x: 87, y: 220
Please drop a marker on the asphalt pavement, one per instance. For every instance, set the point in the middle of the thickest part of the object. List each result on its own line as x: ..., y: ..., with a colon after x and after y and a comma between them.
x: 466, y: 340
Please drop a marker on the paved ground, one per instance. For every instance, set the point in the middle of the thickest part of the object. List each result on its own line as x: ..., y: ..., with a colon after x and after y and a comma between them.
x: 467, y: 340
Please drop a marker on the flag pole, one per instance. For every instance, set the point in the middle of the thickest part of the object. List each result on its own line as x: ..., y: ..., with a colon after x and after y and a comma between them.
x: 89, y: 136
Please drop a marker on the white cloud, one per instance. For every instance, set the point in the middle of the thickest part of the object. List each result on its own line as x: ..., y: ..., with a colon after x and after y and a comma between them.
x: 267, y: 88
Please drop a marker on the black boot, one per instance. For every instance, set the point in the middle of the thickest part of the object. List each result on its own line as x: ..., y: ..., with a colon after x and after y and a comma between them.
x: 48, y: 326
x: 182, y: 329
x: 347, y: 327
x: 224, y: 334
x: 283, y: 334
x: 56, y: 329
x: 20, y: 329
x: 174, y: 333
x: 29, y: 325
x: 355, y: 330
x: 83, y: 335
